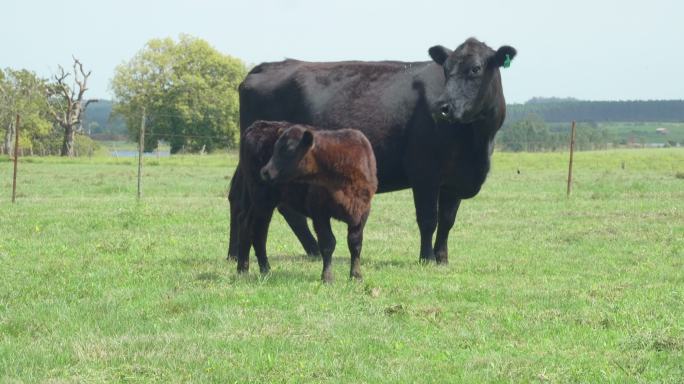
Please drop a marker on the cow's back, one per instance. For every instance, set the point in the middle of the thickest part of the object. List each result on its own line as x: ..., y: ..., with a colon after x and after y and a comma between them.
x: 381, y: 99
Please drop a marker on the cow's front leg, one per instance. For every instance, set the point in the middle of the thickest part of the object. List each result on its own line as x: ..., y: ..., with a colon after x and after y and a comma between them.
x: 425, y: 200
x: 297, y: 223
x: 448, y: 207
x: 326, y: 241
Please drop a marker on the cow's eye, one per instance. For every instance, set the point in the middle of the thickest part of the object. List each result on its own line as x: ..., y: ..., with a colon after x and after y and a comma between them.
x: 475, y: 70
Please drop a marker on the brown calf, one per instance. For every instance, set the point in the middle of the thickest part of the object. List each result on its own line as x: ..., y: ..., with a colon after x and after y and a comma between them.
x: 321, y: 174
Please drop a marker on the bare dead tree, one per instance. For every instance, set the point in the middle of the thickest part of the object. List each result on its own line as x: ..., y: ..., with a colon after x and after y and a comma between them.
x: 67, y: 105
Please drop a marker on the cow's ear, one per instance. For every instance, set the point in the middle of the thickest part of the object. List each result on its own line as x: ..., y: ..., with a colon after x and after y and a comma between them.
x: 307, y: 141
x: 503, y: 56
x: 439, y: 54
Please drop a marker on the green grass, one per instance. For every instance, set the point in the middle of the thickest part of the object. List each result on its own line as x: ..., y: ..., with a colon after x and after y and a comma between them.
x: 541, y: 288
x: 111, y: 146
x: 645, y: 132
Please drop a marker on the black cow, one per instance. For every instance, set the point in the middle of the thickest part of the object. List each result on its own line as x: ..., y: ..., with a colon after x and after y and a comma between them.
x: 431, y: 124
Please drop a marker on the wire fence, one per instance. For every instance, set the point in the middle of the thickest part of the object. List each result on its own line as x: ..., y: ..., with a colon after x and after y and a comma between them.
x: 162, y: 149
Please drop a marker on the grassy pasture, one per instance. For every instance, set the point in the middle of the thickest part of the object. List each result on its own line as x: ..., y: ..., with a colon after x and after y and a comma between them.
x: 541, y: 288
x: 646, y: 132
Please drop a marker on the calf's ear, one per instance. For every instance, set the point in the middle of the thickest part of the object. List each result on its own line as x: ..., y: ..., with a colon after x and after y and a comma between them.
x: 439, y: 54
x: 503, y: 56
x: 307, y: 141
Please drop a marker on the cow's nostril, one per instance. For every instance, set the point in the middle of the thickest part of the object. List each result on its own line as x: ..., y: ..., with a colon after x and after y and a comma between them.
x: 264, y: 175
x: 444, y: 110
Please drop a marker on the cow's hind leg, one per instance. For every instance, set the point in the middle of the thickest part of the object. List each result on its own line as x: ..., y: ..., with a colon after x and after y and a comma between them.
x: 327, y: 242
x: 448, y: 207
x: 297, y: 222
x: 233, y: 234
x: 235, y: 194
x: 244, y: 241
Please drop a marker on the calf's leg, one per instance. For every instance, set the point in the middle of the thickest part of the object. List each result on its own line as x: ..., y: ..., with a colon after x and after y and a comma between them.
x: 354, y: 242
x: 327, y: 242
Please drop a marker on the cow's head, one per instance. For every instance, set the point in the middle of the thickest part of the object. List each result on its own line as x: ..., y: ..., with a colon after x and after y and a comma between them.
x: 289, y: 160
x: 472, y: 79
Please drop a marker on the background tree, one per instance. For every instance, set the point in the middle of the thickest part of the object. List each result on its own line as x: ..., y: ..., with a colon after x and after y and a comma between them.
x: 23, y: 93
x: 532, y: 134
x: 527, y: 134
x: 67, y: 103
x: 101, y: 124
x: 189, y: 92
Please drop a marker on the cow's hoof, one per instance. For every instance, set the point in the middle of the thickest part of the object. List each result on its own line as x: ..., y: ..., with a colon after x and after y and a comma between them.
x: 355, y: 276
x: 327, y: 277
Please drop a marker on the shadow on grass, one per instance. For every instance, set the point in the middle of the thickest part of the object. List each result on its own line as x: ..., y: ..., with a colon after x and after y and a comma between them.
x: 275, y: 260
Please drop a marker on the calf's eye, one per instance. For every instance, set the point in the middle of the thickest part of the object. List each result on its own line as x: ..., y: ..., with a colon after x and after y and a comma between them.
x: 475, y: 70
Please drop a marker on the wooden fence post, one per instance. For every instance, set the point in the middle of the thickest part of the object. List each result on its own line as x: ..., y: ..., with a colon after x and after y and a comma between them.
x: 141, y: 149
x: 572, y: 148
x: 16, y: 155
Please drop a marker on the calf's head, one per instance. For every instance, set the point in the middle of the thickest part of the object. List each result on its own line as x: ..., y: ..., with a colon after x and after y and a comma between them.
x: 289, y: 160
x: 473, y: 82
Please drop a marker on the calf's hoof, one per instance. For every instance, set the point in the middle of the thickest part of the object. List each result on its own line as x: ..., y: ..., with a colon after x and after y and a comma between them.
x: 231, y: 257
x: 265, y: 269
x: 242, y: 269
x: 355, y: 275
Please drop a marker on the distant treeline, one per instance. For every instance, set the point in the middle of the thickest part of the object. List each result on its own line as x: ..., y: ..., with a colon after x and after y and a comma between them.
x: 533, y: 126
x: 532, y: 134
x: 554, y: 110
x: 100, y: 124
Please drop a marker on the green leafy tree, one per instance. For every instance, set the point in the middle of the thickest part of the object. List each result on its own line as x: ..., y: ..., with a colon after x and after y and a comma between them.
x: 532, y: 134
x: 590, y: 136
x: 527, y: 134
x: 188, y: 90
x: 23, y: 93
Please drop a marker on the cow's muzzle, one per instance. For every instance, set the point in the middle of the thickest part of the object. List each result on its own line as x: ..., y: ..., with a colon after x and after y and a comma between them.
x: 445, y: 112
x: 267, y: 174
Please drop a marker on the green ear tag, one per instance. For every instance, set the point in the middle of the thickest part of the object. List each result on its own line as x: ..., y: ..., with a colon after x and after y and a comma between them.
x: 507, y: 62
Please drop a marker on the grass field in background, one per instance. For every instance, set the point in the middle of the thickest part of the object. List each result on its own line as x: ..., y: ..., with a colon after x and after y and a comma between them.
x: 540, y: 288
x: 646, y: 132
x: 624, y: 134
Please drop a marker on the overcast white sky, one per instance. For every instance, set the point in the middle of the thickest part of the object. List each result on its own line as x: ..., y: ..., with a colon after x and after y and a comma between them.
x: 598, y: 50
